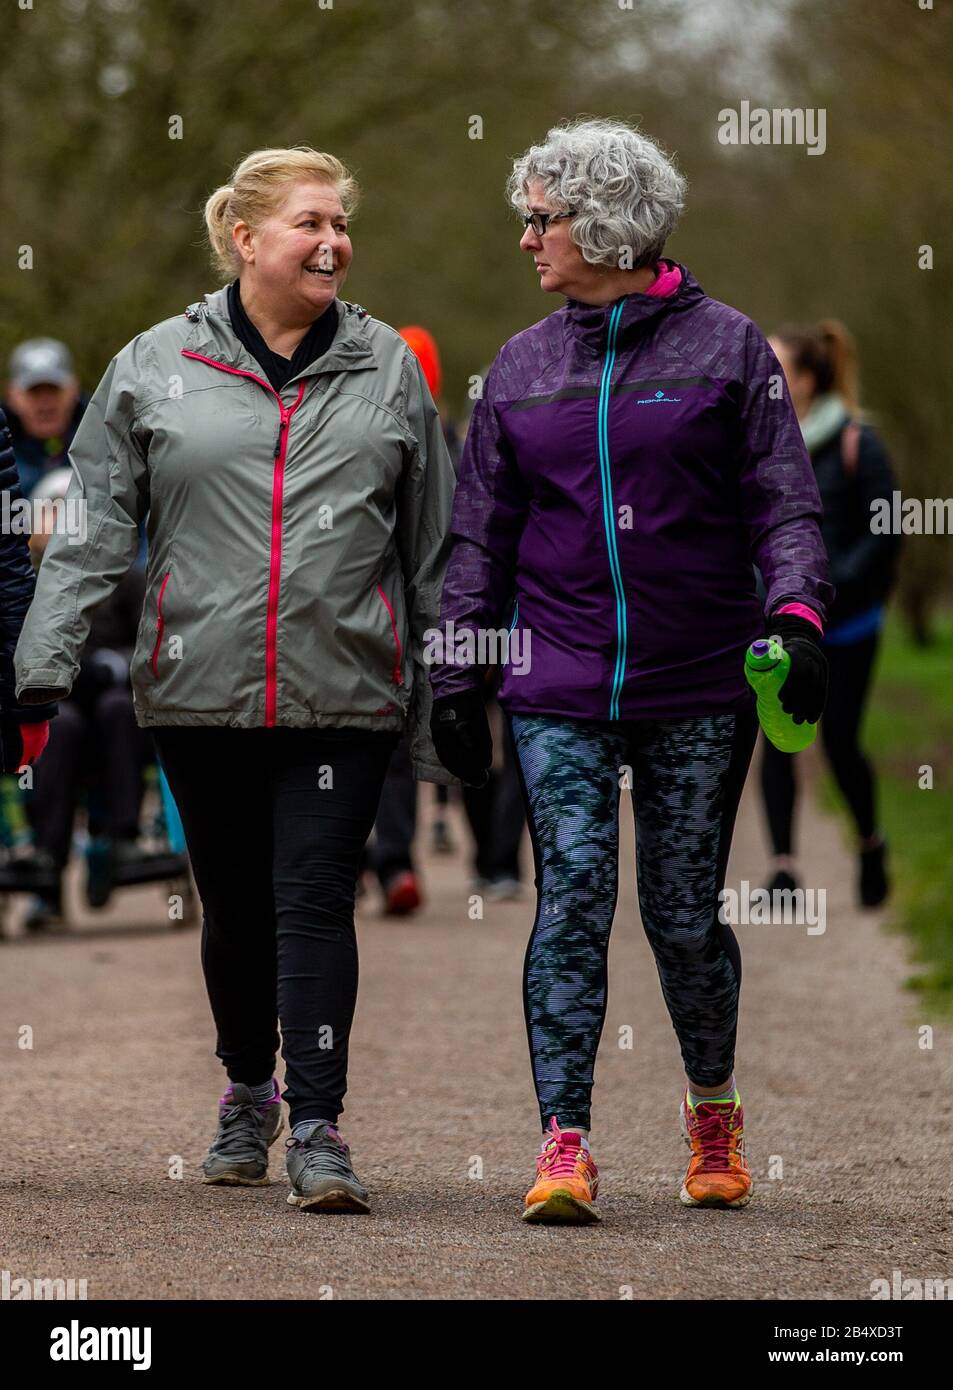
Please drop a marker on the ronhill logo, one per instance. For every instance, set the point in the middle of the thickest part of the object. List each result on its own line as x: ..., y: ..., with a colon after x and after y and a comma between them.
x: 659, y: 398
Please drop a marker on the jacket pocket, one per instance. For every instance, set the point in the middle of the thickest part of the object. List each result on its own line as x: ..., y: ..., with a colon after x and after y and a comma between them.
x: 397, y: 674
x: 160, y: 624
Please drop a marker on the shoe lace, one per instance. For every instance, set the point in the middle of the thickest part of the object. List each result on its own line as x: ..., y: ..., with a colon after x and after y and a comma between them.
x: 716, y: 1138
x: 326, y: 1152
x: 560, y: 1155
x: 239, y: 1133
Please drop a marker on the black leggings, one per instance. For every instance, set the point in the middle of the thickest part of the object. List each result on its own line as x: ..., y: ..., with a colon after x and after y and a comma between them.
x: 850, y: 672
x: 275, y: 851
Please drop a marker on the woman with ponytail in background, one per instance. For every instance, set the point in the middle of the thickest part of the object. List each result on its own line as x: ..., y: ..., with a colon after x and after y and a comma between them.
x: 853, y: 471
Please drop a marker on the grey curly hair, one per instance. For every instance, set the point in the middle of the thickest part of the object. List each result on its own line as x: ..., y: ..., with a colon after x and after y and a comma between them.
x: 627, y: 193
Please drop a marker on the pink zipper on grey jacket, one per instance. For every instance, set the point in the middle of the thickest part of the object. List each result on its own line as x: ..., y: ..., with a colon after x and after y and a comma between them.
x: 275, y: 530
x: 277, y: 494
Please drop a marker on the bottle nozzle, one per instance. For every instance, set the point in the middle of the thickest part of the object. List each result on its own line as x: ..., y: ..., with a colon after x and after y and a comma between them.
x: 763, y: 655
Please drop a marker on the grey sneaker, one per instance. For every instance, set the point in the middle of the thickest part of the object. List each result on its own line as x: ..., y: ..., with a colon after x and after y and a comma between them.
x: 321, y: 1175
x: 238, y: 1155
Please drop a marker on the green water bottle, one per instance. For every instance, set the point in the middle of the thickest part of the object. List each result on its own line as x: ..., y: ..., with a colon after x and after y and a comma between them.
x: 766, y: 666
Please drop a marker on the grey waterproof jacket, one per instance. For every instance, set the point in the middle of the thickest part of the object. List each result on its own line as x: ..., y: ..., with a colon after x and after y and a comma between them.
x: 297, y: 541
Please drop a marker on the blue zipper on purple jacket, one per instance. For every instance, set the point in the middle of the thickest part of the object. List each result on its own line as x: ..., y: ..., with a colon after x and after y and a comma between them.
x: 608, y: 512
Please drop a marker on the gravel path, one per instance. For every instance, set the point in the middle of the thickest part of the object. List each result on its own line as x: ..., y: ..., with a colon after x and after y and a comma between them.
x: 844, y: 1106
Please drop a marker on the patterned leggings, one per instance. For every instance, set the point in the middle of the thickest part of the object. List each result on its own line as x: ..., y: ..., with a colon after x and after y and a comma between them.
x: 686, y: 779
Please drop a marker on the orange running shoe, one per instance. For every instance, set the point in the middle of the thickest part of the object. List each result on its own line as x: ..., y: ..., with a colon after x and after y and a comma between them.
x: 567, y: 1180
x: 718, y: 1173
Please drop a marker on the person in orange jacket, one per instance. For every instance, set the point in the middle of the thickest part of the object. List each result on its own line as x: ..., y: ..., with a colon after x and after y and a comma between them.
x: 391, y: 855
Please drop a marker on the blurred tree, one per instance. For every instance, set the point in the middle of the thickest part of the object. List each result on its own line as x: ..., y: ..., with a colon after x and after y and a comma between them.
x: 110, y: 205
x: 788, y: 236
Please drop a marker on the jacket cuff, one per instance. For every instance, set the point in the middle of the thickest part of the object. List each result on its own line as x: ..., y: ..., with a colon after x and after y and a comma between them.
x: 30, y: 697
x: 801, y: 610
x: 791, y: 625
x: 41, y: 685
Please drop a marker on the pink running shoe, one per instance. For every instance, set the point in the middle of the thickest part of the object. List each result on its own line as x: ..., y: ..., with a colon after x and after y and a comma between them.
x: 567, y: 1180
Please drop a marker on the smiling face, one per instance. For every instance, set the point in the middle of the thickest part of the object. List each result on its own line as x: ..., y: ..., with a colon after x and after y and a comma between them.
x: 558, y: 260
x: 297, y: 259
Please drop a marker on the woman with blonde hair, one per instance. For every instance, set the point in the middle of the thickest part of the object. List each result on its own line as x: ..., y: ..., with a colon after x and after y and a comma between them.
x: 288, y: 457
x: 853, y: 473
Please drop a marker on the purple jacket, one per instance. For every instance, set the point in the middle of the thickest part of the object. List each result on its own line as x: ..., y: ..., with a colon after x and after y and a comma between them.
x: 624, y: 470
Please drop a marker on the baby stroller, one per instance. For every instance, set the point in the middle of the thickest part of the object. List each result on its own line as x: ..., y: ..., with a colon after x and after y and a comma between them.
x: 160, y: 857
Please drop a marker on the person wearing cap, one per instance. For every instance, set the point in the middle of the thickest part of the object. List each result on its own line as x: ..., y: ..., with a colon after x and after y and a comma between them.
x: 391, y: 853
x: 95, y: 738
x: 423, y: 344
x: 44, y: 406
x: 424, y: 347
x: 494, y: 810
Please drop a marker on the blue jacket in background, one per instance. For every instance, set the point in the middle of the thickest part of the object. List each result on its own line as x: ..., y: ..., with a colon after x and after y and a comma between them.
x: 16, y: 589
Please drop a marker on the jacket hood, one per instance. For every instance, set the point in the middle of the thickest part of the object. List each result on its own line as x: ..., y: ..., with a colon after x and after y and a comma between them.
x: 589, y: 323
x: 212, y: 336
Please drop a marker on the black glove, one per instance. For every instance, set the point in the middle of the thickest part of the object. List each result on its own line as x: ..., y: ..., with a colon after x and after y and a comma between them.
x: 461, y: 736
x: 804, y: 692
x: 11, y: 744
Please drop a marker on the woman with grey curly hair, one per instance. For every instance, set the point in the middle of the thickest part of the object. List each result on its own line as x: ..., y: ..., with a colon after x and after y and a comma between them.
x: 633, y: 455
x: 626, y: 197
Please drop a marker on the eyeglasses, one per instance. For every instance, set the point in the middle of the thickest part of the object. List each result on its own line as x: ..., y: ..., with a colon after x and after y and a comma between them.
x: 539, y: 221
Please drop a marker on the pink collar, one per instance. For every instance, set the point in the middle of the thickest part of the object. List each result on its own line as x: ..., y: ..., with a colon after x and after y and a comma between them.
x: 667, y: 281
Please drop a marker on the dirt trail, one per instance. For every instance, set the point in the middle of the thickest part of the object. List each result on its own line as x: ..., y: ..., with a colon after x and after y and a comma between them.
x: 838, y: 1091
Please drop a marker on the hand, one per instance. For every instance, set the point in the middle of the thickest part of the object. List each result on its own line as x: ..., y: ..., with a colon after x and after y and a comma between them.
x: 804, y: 692
x: 461, y: 736
x: 22, y: 744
